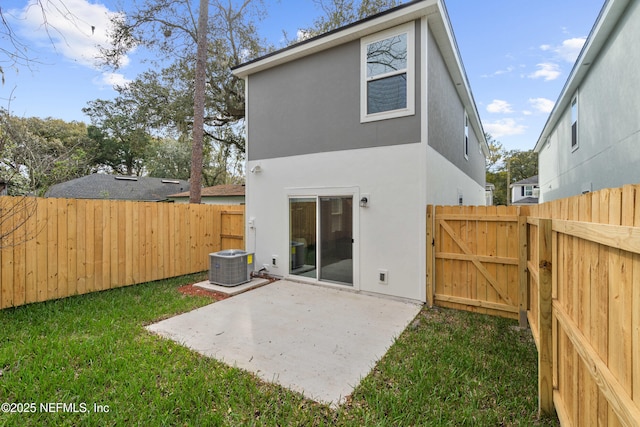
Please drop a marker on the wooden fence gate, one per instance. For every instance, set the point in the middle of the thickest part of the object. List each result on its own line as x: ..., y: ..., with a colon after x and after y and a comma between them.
x: 477, y: 254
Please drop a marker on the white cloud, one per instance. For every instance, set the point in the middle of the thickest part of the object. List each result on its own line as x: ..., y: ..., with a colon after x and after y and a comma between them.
x: 504, y: 127
x: 545, y: 47
x: 547, y: 71
x: 507, y: 70
x: 499, y: 106
x: 570, y: 49
x: 526, y: 112
x: 543, y: 105
x: 111, y: 80
x: 75, y: 28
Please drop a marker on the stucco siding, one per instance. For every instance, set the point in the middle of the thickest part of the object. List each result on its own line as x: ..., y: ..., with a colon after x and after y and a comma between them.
x: 389, y: 234
x: 446, y: 118
x: 318, y: 107
x: 608, y: 122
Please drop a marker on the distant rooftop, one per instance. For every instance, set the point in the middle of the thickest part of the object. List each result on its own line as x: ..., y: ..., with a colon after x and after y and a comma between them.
x: 532, y: 180
x: 115, y: 187
x: 217, y: 191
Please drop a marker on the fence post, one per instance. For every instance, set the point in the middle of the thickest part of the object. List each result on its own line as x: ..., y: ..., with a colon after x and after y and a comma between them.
x: 545, y: 350
x: 430, y: 254
x: 523, y: 276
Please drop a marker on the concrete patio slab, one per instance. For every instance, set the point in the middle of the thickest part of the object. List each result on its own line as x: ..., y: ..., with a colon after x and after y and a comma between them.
x: 316, y: 340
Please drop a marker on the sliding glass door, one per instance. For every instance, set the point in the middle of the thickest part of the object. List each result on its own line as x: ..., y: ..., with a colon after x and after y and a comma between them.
x: 321, y: 238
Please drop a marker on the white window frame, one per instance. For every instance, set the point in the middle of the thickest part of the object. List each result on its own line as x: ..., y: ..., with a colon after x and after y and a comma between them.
x: 575, y: 118
x: 465, y: 141
x: 409, y: 29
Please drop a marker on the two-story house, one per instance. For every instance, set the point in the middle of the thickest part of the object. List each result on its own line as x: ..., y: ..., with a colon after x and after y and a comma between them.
x: 349, y: 136
x: 592, y: 137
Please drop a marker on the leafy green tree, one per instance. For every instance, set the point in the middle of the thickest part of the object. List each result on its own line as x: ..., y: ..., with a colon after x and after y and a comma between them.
x: 120, y: 134
x: 168, y: 158
x: 37, y: 153
x: 506, y: 167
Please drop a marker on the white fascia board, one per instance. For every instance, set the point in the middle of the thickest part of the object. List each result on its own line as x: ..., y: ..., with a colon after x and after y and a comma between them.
x: 604, y: 25
x: 339, y: 37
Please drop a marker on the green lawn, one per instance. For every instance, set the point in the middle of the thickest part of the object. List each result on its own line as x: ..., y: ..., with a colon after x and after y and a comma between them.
x: 92, y: 354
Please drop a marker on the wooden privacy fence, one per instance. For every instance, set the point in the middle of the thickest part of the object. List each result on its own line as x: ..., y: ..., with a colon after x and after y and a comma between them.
x: 585, y: 305
x: 573, y: 267
x: 54, y: 248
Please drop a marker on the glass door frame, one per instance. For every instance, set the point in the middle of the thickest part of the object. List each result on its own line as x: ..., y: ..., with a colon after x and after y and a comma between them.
x: 317, y: 193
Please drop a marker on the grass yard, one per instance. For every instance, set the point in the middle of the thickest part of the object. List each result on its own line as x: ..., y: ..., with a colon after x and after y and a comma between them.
x: 87, y: 360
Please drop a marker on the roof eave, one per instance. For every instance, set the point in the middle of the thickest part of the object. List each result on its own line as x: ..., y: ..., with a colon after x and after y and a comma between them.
x: 355, y: 31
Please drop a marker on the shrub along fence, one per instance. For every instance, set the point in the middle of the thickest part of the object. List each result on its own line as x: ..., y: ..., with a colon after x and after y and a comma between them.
x: 54, y: 248
x: 576, y: 280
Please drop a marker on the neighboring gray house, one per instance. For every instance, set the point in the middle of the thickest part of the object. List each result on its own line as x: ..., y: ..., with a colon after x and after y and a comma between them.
x: 227, y: 194
x: 525, y: 192
x: 114, y: 187
x: 350, y: 135
x: 592, y: 137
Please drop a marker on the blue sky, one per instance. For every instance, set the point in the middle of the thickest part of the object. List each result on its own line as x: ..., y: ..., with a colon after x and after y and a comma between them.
x: 517, y: 55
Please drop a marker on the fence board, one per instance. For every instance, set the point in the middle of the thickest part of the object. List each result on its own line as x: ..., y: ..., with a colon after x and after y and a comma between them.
x: 80, y: 246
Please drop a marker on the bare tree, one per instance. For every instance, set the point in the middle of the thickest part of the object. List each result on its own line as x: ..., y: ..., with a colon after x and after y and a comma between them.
x: 198, y: 105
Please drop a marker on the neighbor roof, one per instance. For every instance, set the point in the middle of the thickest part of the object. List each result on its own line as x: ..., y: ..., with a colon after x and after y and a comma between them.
x: 102, y: 186
x: 532, y: 180
x: 225, y: 190
x: 604, y: 25
x: 439, y: 24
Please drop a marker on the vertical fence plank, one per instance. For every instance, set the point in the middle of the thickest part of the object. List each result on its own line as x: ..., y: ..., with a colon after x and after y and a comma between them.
x: 128, y: 250
x: 31, y: 249
x: 470, y: 281
x: 52, y: 250
x: 81, y: 261
x: 6, y: 252
x: 72, y: 246
x: 635, y: 308
x: 136, y: 243
x: 523, y: 277
x: 19, y: 253
x: 430, y: 255
x: 63, y: 241
x: 545, y: 357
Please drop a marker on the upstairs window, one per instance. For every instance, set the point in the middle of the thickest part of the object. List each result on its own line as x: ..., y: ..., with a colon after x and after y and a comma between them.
x: 387, y: 81
x: 465, y: 142
x: 574, y: 122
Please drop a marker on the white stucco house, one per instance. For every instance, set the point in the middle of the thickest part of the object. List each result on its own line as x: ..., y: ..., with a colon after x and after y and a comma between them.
x: 349, y: 136
x: 592, y: 137
x: 525, y: 192
x: 224, y: 194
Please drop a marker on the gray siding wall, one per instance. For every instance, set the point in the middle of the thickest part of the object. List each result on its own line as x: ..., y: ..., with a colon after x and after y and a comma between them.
x: 446, y: 118
x: 608, y: 154
x: 312, y: 105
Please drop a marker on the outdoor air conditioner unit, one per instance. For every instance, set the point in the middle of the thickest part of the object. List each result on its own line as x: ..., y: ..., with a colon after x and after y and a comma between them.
x: 230, y: 268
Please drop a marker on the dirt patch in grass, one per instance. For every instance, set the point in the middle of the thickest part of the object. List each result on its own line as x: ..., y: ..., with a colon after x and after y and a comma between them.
x: 192, y: 290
